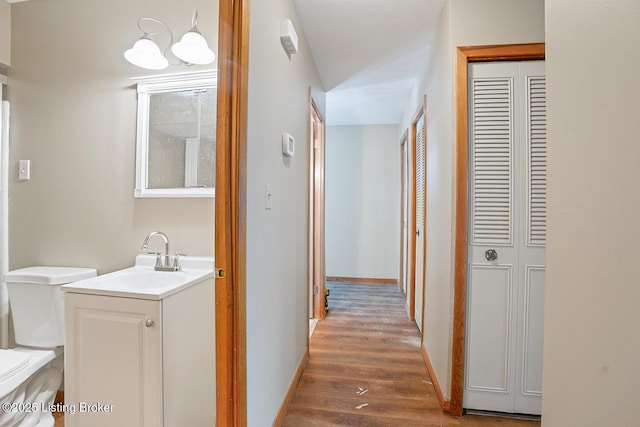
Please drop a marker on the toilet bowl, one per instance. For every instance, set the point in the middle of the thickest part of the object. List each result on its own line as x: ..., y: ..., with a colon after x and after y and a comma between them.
x: 31, y: 373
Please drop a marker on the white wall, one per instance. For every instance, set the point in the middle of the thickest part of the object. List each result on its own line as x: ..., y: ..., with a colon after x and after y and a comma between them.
x: 488, y: 22
x: 592, y: 320
x: 277, y: 239
x: 438, y: 310
x: 5, y: 34
x: 362, y: 201
x: 463, y: 23
x: 73, y: 114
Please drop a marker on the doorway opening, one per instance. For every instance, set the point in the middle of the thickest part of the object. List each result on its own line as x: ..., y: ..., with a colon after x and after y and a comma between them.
x: 404, y: 213
x: 317, y: 276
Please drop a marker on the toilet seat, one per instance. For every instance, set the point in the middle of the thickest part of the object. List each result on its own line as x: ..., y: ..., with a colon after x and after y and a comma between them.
x: 19, y: 363
x: 12, y: 362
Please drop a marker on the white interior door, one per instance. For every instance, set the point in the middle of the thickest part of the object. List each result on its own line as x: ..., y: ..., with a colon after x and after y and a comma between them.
x: 420, y: 220
x: 507, y: 223
x: 404, y: 267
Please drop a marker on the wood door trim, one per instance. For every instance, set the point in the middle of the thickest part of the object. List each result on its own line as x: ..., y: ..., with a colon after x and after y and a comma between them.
x: 411, y: 306
x: 411, y: 288
x: 464, y: 56
x: 317, y: 209
x: 230, y: 213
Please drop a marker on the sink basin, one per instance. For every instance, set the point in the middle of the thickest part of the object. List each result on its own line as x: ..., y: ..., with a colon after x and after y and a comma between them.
x: 142, y: 281
x: 139, y: 278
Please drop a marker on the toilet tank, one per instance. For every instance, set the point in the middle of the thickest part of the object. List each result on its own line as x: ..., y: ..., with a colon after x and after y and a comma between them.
x: 36, y: 303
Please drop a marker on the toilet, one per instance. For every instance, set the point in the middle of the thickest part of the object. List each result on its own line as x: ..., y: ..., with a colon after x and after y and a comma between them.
x: 31, y: 372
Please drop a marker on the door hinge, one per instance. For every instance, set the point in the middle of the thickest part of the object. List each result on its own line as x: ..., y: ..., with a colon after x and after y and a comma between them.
x: 315, y: 290
x: 219, y: 273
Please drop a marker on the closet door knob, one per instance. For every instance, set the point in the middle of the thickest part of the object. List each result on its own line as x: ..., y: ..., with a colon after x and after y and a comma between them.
x: 491, y: 255
x: 148, y: 323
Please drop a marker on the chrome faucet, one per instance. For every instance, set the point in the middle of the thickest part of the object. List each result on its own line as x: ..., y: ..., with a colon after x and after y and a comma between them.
x: 162, y: 263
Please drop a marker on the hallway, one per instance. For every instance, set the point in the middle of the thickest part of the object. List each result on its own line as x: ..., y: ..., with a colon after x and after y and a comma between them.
x: 366, y: 369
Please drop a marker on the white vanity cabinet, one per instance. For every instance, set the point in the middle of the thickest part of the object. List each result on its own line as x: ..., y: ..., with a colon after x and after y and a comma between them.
x: 140, y: 362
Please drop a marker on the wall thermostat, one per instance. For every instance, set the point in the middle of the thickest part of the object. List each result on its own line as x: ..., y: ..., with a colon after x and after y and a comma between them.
x: 288, y: 145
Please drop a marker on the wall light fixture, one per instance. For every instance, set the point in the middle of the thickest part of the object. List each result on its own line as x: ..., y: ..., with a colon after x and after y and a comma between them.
x: 191, y: 49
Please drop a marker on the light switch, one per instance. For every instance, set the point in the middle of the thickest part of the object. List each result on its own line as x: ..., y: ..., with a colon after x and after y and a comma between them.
x: 267, y: 197
x: 24, y: 173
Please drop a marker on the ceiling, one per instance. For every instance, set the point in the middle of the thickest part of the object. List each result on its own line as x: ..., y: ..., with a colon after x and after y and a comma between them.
x: 368, y: 53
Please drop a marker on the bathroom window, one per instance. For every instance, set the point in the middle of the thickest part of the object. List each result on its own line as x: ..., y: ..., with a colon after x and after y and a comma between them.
x: 175, y: 154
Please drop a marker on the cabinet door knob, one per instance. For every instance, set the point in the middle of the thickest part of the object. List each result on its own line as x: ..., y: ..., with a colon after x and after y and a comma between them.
x: 148, y: 323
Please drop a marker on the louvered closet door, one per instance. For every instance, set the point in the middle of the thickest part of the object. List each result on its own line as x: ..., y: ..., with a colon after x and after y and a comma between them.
x: 507, y: 226
x: 533, y: 229
x: 420, y: 220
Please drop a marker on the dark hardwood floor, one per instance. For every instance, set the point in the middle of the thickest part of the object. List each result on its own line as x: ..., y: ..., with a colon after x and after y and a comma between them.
x: 366, y: 369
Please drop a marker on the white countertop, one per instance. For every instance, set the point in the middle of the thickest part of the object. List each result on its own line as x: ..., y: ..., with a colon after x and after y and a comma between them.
x: 142, y: 282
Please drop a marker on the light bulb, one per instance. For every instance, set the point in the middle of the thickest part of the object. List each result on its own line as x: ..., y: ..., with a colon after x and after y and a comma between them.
x: 146, y: 54
x: 193, y: 49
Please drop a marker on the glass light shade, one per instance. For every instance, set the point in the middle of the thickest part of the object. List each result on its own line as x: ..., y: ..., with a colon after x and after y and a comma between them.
x: 193, y: 49
x: 146, y: 54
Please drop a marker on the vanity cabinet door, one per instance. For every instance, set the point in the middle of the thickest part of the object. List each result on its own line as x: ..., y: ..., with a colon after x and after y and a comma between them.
x: 113, y: 362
